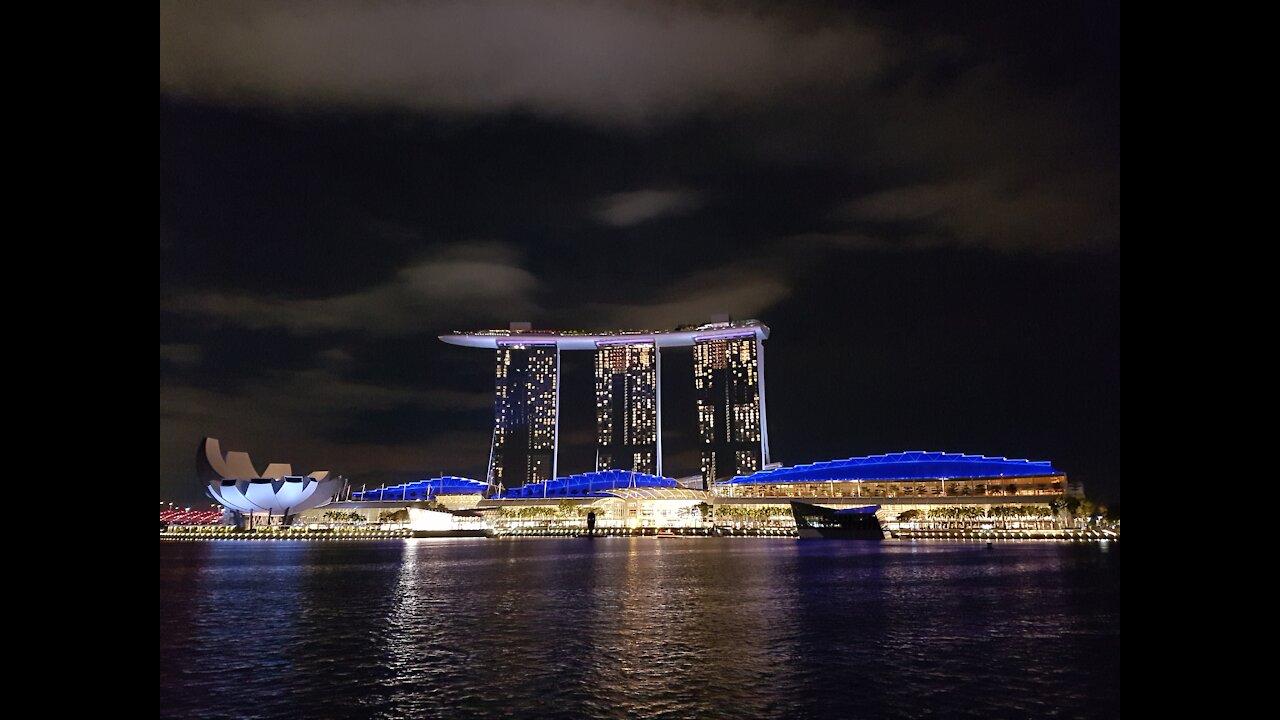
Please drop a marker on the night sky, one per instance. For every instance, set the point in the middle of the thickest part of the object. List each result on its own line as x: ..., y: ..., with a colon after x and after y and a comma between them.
x: 920, y: 199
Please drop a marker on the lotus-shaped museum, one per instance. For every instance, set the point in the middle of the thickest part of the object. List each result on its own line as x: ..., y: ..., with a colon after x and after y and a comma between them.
x: 233, y: 481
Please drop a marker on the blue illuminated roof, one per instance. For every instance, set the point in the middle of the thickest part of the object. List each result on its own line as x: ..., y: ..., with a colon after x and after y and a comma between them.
x: 592, y: 484
x: 900, y: 466
x: 864, y: 510
x: 424, y: 489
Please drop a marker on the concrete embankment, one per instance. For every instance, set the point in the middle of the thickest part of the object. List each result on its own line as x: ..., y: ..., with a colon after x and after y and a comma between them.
x: 190, y: 534
x: 305, y: 534
x: 647, y: 532
x: 1089, y: 535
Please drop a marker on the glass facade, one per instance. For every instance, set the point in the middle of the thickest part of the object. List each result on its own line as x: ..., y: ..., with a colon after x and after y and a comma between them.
x: 899, y: 488
x: 728, y: 382
x: 627, y: 407
x: 526, y: 379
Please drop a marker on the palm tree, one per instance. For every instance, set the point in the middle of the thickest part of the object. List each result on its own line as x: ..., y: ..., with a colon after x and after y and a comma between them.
x: 1056, y: 506
x: 1072, y: 504
x: 1087, y: 508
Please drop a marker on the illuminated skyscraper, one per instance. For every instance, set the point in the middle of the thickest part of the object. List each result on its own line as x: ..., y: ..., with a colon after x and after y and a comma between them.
x: 526, y: 394
x: 627, y: 407
x: 728, y: 377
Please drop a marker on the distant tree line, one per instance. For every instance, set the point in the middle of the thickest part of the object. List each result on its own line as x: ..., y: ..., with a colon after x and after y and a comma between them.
x: 749, y: 514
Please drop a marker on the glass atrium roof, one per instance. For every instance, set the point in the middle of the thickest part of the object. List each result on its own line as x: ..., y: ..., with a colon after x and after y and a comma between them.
x: 916, y: 465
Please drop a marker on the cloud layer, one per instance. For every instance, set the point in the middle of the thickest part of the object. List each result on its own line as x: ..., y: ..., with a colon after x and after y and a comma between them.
x: 627, y: 62
x: 419, y: 296
x: 638, y: 206
x: 983, y: 213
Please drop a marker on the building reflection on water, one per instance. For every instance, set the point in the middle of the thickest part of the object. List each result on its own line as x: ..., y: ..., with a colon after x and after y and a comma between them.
x: 635, y: 627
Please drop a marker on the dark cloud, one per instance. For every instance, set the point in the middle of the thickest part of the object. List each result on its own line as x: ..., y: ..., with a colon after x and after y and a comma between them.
x: 982, y: 212
x: 623, y: 62
x: 483, y: 282
x: 181, y: 353
x: 747, y: 295
x: 323, y: 417
x: 632, y: 208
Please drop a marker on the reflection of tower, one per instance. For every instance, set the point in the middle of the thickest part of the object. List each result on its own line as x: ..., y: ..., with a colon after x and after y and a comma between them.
x: 728, y: 376
x: 526, y: 384
x: 628, y: 377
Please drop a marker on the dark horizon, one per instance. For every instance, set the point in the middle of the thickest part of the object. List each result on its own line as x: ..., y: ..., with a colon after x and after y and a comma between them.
x: 920, y: 200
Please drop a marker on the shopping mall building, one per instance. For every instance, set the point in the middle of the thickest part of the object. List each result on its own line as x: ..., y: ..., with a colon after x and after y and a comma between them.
x: 960, y: 488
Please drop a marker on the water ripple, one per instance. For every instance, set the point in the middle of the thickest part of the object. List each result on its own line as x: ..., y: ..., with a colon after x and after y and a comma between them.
x: 635, y: 627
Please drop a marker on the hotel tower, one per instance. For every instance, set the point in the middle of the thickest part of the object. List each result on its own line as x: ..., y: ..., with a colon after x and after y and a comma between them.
x: 728, y: 379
